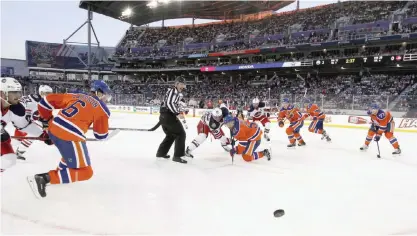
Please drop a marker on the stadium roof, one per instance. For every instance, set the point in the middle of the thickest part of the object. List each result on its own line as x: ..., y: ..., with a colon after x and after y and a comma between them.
x: 142, y: 13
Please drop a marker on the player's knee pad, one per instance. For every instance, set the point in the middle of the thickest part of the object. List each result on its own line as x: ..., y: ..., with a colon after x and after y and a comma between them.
x: 246, y: 157
x: 289, y: 131
x: 311, y: 130
x: 371, y: 132
x: 201, y: 138
x: 389, y: 135
x: 85, y: 173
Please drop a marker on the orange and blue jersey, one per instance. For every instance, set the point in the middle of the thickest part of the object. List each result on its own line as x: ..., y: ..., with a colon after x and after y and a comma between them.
x: 314, y: 111
x: 384, y: 121
x: 249, y: 136
x: 246, y: 131
x: 292, y: 113
x: 78, y: 112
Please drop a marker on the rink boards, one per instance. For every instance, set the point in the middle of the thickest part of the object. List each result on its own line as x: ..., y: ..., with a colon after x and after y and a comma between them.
x: 337, y: 121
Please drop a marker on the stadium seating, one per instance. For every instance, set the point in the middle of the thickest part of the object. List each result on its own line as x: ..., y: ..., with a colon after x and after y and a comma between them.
x: 310, y: 25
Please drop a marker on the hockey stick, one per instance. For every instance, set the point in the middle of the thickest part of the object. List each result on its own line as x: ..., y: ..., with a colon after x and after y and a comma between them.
x: 379, y: 153
x: 233, y: 145
x: 111, y: 135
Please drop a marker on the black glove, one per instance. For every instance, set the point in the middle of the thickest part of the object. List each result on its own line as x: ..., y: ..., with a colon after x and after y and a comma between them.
x: 45, y: 137
x: 377, y: 138
x: 4, y: 135
x: 45, y: 123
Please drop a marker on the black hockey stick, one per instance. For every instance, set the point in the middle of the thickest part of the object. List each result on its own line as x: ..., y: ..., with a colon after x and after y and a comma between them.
x: 135, y: 129
x: 111, y: 135
x: 379, y: 153
x: 233, y: 146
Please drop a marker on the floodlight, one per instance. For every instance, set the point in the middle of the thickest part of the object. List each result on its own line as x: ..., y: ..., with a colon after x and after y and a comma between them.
x: 127, y: 12
x: 152, y: 4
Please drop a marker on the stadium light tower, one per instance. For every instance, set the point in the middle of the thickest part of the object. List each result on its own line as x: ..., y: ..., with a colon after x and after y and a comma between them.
x: 90, y: 29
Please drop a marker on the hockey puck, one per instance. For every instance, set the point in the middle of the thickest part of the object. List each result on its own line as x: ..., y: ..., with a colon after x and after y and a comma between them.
x: 279, y: 213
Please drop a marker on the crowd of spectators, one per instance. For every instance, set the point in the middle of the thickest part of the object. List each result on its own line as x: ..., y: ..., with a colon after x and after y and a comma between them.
x: 315, y: 23
x: 330, y: 92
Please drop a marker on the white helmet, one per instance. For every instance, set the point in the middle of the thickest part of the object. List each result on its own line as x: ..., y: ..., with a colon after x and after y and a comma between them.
x: 44, y: 89
x: 9, y: 84
x: 217, y: 114
x: 255, y: 101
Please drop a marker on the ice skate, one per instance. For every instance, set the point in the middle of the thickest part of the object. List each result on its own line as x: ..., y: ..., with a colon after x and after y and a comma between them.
x: 364, y: 148
x: 267, y: 153
x: 38, y: 184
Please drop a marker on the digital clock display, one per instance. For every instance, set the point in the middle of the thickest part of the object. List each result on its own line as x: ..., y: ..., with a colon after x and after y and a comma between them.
x: 350, y: 60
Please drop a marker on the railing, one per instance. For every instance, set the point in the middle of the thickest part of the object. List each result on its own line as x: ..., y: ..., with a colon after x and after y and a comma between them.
x: 348, y: 104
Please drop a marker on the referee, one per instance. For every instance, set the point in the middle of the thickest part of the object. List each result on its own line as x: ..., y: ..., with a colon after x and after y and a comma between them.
x: 170, y: 121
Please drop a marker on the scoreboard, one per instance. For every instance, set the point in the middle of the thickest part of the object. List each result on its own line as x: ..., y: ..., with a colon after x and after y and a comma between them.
x: 357, y: 61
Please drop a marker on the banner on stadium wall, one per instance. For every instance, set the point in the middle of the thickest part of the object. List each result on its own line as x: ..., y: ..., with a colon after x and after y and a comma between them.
x: 197, y: 55
x: 238, y: 52
x: 65, y: 56
x: 242, y: 67
x: 408, y: 123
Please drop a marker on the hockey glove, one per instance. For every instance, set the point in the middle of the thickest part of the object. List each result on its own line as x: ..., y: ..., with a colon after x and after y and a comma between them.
x: 305, y: 116
x: 45, y: 123
x: 227, y: 148
x: 377, y: 138
x: 281, y: 123
x: 4, y: 135
x: 45, y: 137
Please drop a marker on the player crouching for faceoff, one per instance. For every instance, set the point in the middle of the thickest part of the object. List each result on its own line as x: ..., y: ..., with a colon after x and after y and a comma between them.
x: 248, y: 135
x: 382, y: 123
x: 256, y: 113
x: 67, y: 131
x: 211, y: 122
x: 13, y: 111
x: 292, y: 114
x: 32, y: 114
x: 318, y: 117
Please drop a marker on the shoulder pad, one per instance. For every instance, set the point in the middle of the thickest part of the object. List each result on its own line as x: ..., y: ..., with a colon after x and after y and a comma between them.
x: 35, y: 97
x: 18, y: 109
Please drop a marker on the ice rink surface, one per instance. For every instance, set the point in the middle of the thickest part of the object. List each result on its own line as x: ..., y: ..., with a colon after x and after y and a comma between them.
x: 325, y: 188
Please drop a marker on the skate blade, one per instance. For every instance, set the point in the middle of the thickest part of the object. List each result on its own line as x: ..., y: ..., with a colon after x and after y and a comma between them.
x: 32, y: 184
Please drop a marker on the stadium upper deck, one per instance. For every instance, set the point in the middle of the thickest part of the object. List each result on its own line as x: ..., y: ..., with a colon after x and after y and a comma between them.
x: 144, y: 12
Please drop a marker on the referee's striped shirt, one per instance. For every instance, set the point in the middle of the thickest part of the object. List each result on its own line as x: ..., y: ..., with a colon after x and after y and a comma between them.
x: 171, y: 100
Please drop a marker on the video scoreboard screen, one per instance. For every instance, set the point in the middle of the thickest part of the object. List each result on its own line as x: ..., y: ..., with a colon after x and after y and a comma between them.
x: 376, y: 60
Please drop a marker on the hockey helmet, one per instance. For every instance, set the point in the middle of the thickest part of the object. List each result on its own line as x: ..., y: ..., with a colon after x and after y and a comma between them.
x: 102, y: 87
x: 9, y: 84
x: 44, y: 90
x: 217, y: 114
x: 255, y: 101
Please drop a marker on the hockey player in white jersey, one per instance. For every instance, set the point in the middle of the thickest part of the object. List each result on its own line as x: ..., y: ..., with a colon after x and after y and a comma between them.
x: 211, y: 122
x: 256, y: 113
x: 30, y: 103
x: 13, y: 111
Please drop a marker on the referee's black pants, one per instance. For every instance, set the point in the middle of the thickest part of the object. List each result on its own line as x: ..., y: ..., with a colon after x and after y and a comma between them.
x: 174, y: 131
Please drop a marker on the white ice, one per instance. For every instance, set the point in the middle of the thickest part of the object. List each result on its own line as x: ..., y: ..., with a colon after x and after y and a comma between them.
x: 324, y: 188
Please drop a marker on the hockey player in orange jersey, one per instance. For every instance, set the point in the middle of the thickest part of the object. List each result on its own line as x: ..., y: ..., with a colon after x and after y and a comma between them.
x: 317, y: 122
x: 249, y: 137
x: 67, y: 131
x: 382, y: 123
x: 291, y: 113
